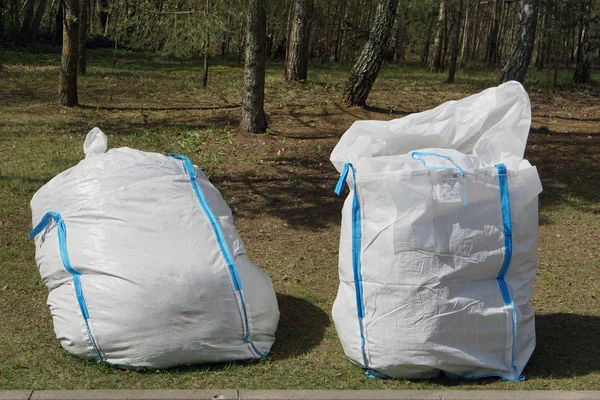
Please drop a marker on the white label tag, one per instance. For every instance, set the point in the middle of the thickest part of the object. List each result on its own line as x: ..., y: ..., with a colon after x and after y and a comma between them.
x: 450, y: 190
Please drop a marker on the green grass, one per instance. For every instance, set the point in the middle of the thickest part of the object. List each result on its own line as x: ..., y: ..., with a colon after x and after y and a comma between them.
x: 279, y: 186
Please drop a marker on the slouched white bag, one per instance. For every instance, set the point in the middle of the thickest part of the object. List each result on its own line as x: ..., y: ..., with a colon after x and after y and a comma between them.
x: 438, y: 247
x: 144, y: 265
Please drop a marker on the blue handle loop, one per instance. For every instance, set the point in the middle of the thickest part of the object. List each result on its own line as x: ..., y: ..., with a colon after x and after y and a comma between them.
x: 342, y: 181
x: 418, y: 155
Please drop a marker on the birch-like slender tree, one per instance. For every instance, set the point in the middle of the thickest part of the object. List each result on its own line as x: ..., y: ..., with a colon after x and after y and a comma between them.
x: 437, y: 61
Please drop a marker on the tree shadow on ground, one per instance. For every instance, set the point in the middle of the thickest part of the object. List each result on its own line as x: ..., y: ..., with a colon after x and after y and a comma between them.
x: 567, y: 164
x: 566, y: 346
x: 299, y: 193
x: 389, y: 111
x: 196, y: 108
x: 301, y: 327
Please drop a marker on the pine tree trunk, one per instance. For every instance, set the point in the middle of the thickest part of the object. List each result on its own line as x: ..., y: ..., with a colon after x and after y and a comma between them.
x: 253, y: 97
x: 67, y: 84
x: 436, y: 60
x: 102, y: 16
x: 296, y: 60
x: 454, y: 43
x: 400, y: 46
x: 206, y: 47
x: 545, y: 34
x: 475, y: 33
x: 83, y: 29
x: 520, y: 53
x: 492, y: 47
x: 37, y: 21
x: 339, y: 37
x: 28, y: 9
x: 425, y: 52
x: 584, y: 57
x: 206, y: 57
x: 367, y: 66
x: 502, y: 32
x: 58, y: 24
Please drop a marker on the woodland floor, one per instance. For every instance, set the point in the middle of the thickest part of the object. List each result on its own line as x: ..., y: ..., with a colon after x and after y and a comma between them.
x: 280, y: 187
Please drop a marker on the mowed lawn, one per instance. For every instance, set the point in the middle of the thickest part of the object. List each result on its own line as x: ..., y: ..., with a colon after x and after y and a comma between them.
x: 280, y: 187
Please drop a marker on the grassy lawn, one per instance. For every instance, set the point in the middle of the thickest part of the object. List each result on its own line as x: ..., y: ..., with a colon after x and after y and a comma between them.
x: 280, y: 187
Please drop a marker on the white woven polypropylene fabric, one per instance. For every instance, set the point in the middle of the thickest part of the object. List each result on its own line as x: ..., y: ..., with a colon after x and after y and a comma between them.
x: 155, y: 281
x: 429, y: 243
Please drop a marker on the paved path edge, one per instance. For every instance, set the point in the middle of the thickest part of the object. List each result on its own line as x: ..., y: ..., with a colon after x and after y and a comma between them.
x: 216, y: 394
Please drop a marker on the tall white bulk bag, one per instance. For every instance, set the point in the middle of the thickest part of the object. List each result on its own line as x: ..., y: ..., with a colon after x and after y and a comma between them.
x: 438, y: 247
x: 144, y: 265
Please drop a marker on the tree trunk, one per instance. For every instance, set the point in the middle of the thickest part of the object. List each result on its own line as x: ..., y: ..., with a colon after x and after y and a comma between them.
x: 67, y: 84
x: 367, y: 66
x: 206, y: 56
x: 83, y: 30
x: 545, y: 33
x: 425, y: 52
x: 253, y: 96
x: 585, y: 54
x: 454, y: 43
x: 339, y: 37
x: 28, y: 9
x: 520, y: 53
x: 58, y: 23
x: 401, y: 39
x: 438, y: 45
x: 296, y: 58
x: 475, y: 32
x: 37, y: 21
x: 502, y: 32
x: 466, y: 39
x: 206, y: 47
x: 102, y: 16
x: 445, y: 42
x: 492, y: 47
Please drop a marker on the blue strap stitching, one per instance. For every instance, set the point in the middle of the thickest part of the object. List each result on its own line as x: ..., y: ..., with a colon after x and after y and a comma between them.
x: 507, y: 228
x: 237, y: 284
x: 356, y: 244
x: 76, y: 275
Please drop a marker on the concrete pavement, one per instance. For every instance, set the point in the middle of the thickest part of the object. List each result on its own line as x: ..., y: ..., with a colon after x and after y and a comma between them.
x: 297, y: 395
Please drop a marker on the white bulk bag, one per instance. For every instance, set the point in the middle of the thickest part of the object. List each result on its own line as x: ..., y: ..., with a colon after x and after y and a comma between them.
x: 144, y: 265
x: 438, y: 247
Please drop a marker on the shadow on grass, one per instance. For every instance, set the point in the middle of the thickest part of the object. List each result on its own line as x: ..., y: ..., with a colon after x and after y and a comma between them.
x: 301, y: 194
x: 567, y: 164
x: 301, y: 327
x: 117, y: 108
x: 567, y: 346
x: 389, y: 111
